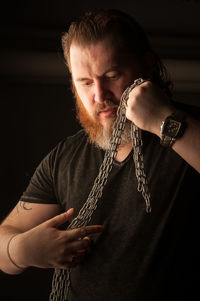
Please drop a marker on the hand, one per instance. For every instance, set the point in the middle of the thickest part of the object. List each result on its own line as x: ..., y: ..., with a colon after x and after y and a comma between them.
x: 46, y: 246
x: 148, y: 106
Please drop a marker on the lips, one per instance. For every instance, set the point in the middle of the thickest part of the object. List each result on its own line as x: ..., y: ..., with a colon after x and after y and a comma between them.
x: 108, y: 111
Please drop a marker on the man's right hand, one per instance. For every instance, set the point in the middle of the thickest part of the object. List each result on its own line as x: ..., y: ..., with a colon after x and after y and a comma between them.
x: 46, y: 246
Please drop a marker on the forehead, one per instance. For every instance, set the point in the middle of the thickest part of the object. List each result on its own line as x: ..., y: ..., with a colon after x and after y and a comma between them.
x: 96, y: 57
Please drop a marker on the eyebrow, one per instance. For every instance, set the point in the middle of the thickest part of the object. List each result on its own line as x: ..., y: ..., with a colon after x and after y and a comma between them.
x: 81, y: 79
x: 112, y: 68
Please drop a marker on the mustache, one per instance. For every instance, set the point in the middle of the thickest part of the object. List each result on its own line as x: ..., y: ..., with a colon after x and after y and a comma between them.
x: 108, y: 103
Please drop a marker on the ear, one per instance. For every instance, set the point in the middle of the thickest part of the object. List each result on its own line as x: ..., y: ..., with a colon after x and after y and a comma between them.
x: 149, y: 60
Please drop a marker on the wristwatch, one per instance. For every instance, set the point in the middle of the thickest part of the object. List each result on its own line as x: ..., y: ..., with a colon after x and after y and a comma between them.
x: 172, y: 128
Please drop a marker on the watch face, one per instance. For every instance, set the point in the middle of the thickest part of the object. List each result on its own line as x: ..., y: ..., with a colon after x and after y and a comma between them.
x: 170, y: 127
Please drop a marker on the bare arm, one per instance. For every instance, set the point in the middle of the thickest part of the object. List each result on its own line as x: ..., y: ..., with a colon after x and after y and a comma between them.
x: 38, y: 241
x: 148, y: 106
x: 188, y: 146
x: 22, y: 218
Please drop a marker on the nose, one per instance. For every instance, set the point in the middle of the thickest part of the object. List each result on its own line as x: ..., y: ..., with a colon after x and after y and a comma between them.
x: 100, y: 91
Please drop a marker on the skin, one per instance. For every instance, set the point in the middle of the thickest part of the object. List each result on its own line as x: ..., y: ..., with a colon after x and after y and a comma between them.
x: 39, y: 241
x: 71, y: 244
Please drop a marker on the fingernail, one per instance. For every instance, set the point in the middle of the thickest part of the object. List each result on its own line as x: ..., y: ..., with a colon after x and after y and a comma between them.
x: 69, y: 210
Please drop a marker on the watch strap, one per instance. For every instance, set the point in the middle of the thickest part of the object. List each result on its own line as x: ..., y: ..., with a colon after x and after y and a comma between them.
x: 167, y: 141
x: 177, y: 116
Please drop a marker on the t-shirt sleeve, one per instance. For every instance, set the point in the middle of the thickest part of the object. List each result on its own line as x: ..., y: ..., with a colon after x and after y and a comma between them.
x: 41, y: 186
x: 51, y: 181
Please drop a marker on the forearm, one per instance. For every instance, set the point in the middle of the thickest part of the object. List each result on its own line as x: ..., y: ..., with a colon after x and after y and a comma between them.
x: 148, y: 106
x: 44, y: 246
x: 9, y: 246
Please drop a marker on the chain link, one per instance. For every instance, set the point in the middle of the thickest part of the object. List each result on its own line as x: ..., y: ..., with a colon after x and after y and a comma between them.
x: 61, y: 278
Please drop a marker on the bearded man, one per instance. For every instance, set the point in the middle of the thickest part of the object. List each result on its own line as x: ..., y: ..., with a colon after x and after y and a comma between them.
x: 114, y: 248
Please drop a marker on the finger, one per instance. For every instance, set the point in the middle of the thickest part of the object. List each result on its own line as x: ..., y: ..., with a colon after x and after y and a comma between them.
x: 82, y: 251
x: 76, y: 246
x: 72, y: 261
x: 83, y: 232
x: 60, y: 219
x: 68, y: 264
x: 87, y: 238
x: 78, y: 257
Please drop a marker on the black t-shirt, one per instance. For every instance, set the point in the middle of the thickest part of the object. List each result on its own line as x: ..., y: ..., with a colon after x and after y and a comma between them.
x: 139, y: 256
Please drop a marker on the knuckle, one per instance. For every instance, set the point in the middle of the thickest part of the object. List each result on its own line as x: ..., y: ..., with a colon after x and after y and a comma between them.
x: 140, y: 90
x: 83, y: 231
x: 148, y: 83
x: 61, y: 238
x: 144, y: 87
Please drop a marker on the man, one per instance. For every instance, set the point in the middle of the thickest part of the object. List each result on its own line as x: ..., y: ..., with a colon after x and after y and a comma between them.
x: 124, y: 253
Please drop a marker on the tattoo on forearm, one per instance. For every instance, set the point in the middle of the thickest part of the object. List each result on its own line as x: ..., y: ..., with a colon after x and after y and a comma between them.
x: 25, y: 205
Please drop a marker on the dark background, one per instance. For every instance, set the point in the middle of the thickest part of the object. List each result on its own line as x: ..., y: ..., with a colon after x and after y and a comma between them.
x: 36, y: 106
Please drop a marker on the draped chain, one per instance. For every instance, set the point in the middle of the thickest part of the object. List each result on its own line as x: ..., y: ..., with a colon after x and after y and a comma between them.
x: 61, y: 277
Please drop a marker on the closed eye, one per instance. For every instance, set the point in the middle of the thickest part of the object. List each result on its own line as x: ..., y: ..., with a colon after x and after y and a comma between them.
x: 87, y: 83
x: 112, y: 75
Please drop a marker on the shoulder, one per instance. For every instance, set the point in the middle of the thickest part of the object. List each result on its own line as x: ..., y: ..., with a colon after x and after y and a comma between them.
x: 70, y: 144
x: 64, y: 150
x: 72, y: 150
x: 79, y: 137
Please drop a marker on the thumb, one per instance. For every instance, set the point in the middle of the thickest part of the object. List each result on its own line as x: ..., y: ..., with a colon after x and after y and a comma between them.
x: 60, y: 219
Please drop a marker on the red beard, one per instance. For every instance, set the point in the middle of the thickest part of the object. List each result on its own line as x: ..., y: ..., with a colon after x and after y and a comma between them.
x: 91, y: 125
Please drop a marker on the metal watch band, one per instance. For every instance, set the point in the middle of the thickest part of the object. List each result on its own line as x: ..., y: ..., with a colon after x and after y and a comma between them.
x: 167, y: 141
x: 174, y: 130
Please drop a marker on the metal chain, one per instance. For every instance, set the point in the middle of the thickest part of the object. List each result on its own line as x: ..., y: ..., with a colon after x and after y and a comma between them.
x: 61, y: 277
x: 139, y: 166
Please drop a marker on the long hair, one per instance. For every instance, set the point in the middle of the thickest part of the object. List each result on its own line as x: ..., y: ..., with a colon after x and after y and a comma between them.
x: 123, y: 30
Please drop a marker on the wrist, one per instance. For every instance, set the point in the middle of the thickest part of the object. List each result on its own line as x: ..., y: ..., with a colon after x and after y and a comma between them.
x: 172, y: 128
x: 162, y: 116
x: 12, y: 252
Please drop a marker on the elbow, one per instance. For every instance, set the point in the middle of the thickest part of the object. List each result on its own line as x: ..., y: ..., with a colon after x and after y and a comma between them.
x: 10, y: 271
